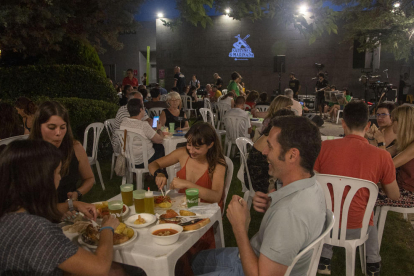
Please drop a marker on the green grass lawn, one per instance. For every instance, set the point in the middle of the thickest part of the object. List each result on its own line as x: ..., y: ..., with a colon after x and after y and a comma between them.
x: 397, y: 249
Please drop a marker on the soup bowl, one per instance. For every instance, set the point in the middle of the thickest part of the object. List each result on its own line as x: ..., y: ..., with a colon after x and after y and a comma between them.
x: 172, y: 237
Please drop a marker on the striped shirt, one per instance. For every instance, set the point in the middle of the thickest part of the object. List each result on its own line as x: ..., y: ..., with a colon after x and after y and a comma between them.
x: 32, y: 245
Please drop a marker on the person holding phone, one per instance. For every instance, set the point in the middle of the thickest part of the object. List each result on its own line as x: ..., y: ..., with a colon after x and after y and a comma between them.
x: 135, y: 124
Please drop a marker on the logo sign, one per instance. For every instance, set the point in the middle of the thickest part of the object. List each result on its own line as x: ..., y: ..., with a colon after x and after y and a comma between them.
x: 241, y: 50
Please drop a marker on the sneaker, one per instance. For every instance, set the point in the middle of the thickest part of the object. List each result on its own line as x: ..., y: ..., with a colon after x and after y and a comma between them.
x: 324, y: 266
x: 373, y: 269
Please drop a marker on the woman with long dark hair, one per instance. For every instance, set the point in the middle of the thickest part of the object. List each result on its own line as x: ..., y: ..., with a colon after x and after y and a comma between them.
x: 31, y: 243
x: 52, y: 125
x: 26, y: 108
x: 228, y: 99
x: 10, y: 124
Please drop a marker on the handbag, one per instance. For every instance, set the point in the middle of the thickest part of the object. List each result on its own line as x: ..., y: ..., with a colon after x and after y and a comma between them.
x: 120, y: 164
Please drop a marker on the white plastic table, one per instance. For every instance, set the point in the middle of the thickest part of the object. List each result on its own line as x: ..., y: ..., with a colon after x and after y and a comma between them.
x: 158, y: 260
x: 170, y: 144
x: 257, y: 123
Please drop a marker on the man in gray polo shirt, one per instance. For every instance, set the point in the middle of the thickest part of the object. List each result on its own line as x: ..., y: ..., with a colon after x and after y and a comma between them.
x: 295, y: 214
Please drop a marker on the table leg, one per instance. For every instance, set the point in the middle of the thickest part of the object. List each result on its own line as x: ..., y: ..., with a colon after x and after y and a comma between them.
x: 218, y: 230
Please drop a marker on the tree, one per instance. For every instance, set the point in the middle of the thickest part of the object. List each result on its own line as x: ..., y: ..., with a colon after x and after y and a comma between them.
x: 37, y: 26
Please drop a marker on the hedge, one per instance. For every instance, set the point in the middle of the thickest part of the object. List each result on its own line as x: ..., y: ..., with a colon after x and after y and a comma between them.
x: 55, y: 81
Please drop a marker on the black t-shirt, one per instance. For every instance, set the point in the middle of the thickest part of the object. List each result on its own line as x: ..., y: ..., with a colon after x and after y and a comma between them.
x: 219, y: 82
x: 294, y: 85
x: 180, y: 82
x: 319, y: 85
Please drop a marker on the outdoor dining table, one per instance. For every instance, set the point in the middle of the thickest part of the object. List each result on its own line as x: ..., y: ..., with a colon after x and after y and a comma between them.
x: 156, y: 259
x: 258, y: 123
x: 170, y: 144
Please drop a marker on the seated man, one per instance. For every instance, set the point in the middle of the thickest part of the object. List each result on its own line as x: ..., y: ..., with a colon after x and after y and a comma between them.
x: 163, y: 91
x: 385, y: 124
x: 155, y: 100
x: 296, y: 107
x: 352, y: 156
x: 217, y: 94
x: 238, y: 110
x: 292, y: 219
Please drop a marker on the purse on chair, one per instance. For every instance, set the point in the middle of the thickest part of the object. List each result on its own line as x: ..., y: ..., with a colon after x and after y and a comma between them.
x: 120, y: 164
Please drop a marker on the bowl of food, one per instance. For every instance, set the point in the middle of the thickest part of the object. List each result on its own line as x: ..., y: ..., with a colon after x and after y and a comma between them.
x: 166, y: 234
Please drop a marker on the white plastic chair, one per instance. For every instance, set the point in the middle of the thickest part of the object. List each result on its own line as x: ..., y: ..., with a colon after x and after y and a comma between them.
x: 109, y: 126
x: 207, y: 104
x: 324, y: 138
x: 241, y: 143
x: 338, y: 236
x: 224, y: 92
x: 93, y: 160
x: 7, y: 141
x: 155, y: 111
x: 229, y: 176
x: 316, y: 246
x: 236, y: 126
x: 163, y: 98
x: 262, y: 108
x: 223, y: 108
x: 337, y: 117
x: 187, y: 105
x: 208, y: 116
x: 129, y: 154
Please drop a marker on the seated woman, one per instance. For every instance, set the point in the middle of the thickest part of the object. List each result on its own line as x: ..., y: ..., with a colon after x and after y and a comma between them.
x: 170, y: 115
x: 280, y: 102
x: 334, y: 110
x: 403, y: 152
x: 26, y: 108
x: 252, y: 98
x: 136, y: 125
x: 263, y: 99
x: 51, y: 124
x: 257, y: 162
x: 10, y: 122
x: 385, y: 124
x: 228, y: 99
x: 196, y: 102
x: 35, y: 245
x: 125, y: 94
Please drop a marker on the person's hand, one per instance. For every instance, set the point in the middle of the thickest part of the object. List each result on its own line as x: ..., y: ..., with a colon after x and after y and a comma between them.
x: 379, y: 136
x: 261, y: 202
x: 161, y: 180
x: 110, y: 221
x: 73, y: 196
x: 69, y: 215
x: 238, y: 214
x: 178, y: 183
x: 89, y: 210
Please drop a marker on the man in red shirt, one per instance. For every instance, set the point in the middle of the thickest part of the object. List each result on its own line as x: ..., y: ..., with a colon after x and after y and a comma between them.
x: 353, y: 156
x: 130, y: 79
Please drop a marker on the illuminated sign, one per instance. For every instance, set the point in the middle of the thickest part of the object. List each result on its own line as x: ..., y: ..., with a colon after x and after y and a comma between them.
x: 241, y: 50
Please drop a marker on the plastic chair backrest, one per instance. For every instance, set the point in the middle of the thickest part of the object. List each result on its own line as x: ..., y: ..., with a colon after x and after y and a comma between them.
x: 187, y: 102
x: 97, y: 129
x: 262, y: 108
x: 234, y: 127
x: 241, y: 143
x: 155, y: 111
x: 224, y: 92
x: 129, y: 151
x: 163, y: 98
x: 324, y: 138
x: 207, y: 103
x: 7, y: 141
x: 247, y: 107
x: 227, y: 181
x: 338, y: 184
x: 207, y: 115
x: 223, y: 108
x: 316, y: 246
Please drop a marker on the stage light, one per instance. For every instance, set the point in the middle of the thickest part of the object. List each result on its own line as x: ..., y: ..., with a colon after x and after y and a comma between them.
x: 303, y: 8
x: 397, y: 4
x: 227, y: 11
x: 160, y: 14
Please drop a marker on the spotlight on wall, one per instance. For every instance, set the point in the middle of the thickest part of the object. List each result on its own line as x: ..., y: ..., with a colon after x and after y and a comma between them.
x: 227, y: 11
x: 160, y: 14
x: 303, y: 8
x: 397, y: 4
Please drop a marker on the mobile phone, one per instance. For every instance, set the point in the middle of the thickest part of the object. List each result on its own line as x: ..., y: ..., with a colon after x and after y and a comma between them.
x: 155, y: 121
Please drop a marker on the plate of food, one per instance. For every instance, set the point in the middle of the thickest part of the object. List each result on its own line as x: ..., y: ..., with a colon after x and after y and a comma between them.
x: 188, y: 220
x: 102, y: 209
x: 123, y: 236
x: 164, y: 202
x: 140, y: 220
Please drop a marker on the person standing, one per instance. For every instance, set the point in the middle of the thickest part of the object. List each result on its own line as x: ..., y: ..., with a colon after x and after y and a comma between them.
x: 144, y: 79
x: 179, y: 80
x: 195, y: 82
x: 130, y: 79
x: 320, y: 93
x: 219, y: 81
x: 233, y: 85
x: 294, y: 84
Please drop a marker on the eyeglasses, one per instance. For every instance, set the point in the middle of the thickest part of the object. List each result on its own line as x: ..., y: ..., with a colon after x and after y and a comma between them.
x: 382, y: 115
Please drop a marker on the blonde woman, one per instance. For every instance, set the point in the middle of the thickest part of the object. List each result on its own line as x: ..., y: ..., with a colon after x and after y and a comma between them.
x: 280, y: 102
x: 403, y: 157
x: 169, y: 115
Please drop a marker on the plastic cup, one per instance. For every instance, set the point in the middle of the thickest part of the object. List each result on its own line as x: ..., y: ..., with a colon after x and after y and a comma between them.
x: 192, y: 197
x: 331, y: 137
x: 115, y: 207
x: 139, y: 201
x: 126, y: 192
x: 172, y: 127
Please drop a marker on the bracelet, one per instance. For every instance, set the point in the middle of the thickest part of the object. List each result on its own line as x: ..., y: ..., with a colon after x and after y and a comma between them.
x: 164, y: 171
x: 107, y: 227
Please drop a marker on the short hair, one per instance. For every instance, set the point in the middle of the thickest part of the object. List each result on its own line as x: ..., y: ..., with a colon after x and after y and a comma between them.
x: 215, y: 74
x: 126, y: 87
x: 321, y: 75
x: 214, y: 86
x: 155, y: 92
x: 133, y: 93
x: 172, y: 96
x: 263, y: 97
x: 291, y: 136
x: 389, y: 106
x: 235, y: 75
x: 134, y: 107
x: 130, y: 70
x: 281, y: 112
x: 289, y: 92
x: 144, y: 93
x: 291, y: 73
x: 240, y: 100
x: 253, y: 96
x: 333, y: 86
x: 356, y: 115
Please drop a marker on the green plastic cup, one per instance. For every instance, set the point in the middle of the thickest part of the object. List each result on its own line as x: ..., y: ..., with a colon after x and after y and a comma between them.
x: 331, y: 137
x: 172, y: 127
x: 126, y: 192
x: 192, y: 197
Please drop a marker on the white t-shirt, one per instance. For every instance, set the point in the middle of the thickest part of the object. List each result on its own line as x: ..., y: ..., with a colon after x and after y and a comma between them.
x: 226, y: 101
x: 143, y: 129
x: 297, y: 106
x: 242, y: 127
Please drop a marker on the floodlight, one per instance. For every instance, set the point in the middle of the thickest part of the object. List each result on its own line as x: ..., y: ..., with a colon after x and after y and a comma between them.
x: 303, y: 8
x: 227, y: 11
x: 160, y: 14
x: 397, y: 4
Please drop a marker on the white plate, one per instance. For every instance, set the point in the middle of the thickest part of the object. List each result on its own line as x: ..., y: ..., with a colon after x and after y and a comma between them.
x: 191, y: 231
x: 149, y: 218
x: 123, y: 214
x: 118, y: 246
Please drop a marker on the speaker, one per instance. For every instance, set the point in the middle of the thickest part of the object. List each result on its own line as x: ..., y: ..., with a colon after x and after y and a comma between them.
x: 314, y: 118
x: 279, y: 63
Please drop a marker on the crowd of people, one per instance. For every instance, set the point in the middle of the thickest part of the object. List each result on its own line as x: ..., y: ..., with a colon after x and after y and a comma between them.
x: 288, y: 149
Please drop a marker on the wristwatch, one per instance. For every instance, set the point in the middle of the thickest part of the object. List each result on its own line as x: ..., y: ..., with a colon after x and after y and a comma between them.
x: 380, y: 144
x: 70, y: 204
x: 79, y: 194
x: 161, y: 171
